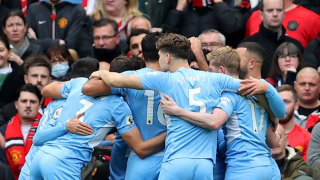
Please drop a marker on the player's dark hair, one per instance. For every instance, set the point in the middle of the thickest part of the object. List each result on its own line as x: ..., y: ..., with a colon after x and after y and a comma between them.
x: 84, y: 67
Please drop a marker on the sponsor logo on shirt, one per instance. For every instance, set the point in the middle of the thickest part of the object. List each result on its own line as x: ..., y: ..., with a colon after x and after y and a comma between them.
x: 41, y: 22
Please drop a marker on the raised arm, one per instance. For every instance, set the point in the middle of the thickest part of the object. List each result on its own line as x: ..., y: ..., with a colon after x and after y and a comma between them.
x: 144, y: 148
x: 209, y: 121
x: 198, y: 53
x: 118, y: 80
x: 96, y: 87
x: 53, y: 90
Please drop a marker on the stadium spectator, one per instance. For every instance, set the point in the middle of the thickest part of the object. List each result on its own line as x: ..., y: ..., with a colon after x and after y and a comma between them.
x: 212, y: 39
x: 10, y: 74
x: 134, y: 41
x: 61, y: 62
x: 289, y: 160
x: 298, y: 137
x: 313, y: 152
x: 55, y: 22
x: 300, y: 23
x: 287, y: 62
x: 307, y: 86
x: 106, y: 40
x: 272, y: 33
x: 20, y: 131
x: 139, y: 22
x: 38, y: 70
x: 15, y: 27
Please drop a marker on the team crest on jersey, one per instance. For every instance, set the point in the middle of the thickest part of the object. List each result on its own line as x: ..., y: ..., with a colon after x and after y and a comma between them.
x: 62, y: 23
x: 129, y: 120
x: 57, y: 113
x: 225, y: 101
x: 292, y: 25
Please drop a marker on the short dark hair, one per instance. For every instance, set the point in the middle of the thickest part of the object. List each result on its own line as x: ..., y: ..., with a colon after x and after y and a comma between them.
x: 274, y: 70
x: 29, y: 88
x: 137, y: 62
x: 175, y: 44
x: 105, y: 22
x: 5, y: 41
x: 84, y: 67
x: 136, y: 32
x: 287, y: 87
x: 261, y: 5
x: 38, y: 60
x: 149, y: 49
x: 60, y: 49
x: 255, y: 49
x: 11, y: 13
x: 120, y: 64
x: 191, y: 57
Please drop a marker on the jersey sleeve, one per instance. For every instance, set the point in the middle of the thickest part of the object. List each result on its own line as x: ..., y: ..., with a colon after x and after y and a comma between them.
x: 155, y: 81
x: 225, y: 82
x: 122, y: 116
x: 66, y: 88
x: 227, y: 102
x: 49, y: 133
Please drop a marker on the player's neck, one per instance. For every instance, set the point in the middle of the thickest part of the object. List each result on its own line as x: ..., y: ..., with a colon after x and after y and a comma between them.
x: 153, y: 65
x: 176, y: 64
x: 288, y: 127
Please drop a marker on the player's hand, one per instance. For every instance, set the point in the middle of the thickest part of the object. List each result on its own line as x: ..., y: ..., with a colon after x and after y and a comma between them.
x: 95, y: 75
x: 252, y: 86
x: 195, y: 45
x: 169, y: 106
x: 75, y: 126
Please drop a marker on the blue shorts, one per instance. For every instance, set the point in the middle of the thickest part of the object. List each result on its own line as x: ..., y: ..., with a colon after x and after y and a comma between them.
x: 265, y: 172
x: 47, y: 167
x: 148, y: 168
x: 118, y: 161
x: 186, y: 169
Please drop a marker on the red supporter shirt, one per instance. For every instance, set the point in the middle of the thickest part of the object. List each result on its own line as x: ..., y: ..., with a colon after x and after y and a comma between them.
x: 299, y: 138
x: 300, y: 23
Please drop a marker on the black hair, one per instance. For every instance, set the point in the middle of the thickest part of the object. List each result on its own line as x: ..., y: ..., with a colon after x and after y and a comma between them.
x: 84, y: 67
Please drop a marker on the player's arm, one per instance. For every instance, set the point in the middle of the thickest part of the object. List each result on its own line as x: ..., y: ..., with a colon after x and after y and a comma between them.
x: 53, y: 90
x: 50, y: 133
x: 143, y: 148
x: 198, y: 53
x: 272, y: 137
x: 96, y: 87
x: 114, y: 79
x: 205, y: 120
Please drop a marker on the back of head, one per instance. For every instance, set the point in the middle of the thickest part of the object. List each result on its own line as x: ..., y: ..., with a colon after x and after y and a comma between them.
x: 176, y: 45
x: 120, y: 64
x: 105, y: 22
x: 254, y: 50
x: 138, y: 63
x: 38, y: 60
x: 84, y: 67
x: 227, y: 57
x: 149, y: 49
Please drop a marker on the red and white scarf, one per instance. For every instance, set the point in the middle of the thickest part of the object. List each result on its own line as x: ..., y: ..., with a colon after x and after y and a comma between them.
x: 16, y: 148
x: 202, y: 3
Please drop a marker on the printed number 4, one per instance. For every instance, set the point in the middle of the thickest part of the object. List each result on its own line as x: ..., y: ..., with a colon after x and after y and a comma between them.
x: 86, y: 105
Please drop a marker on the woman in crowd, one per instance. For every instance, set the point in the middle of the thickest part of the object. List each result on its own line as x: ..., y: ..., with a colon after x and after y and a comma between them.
x: 10, y: 80
x: 61, y: 61
x: 15, y: 27
x: 286, y: 63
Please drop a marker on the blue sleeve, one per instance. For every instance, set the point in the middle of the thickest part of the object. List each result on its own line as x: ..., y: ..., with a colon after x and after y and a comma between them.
x: 122, y: 116
x: 122, y: 91
x: 225, y: 82
x: 105, y: 143
x: 155, y: 81
x: 49, y: 133
x: 276, y: 103
x: 227, y: 102
x: 65, y: 89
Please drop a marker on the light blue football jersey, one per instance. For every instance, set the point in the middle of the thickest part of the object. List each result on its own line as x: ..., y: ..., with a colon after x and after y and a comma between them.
x: 149, y: 118
x: 101, y: 113
x: 196, y: 91
x: 245, y: 132
x: 49, y: 117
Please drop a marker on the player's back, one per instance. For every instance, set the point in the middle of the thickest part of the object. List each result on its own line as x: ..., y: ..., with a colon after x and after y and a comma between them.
x: 245, y: 134
x: 145, y: 106
x: 193, y: 90
x: 101, y: 113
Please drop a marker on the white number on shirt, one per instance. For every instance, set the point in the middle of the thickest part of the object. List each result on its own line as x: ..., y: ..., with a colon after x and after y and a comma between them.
x: 86, y: 105
x: 193, y: 102
x: 254, y: 119
x: 150, y: 106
